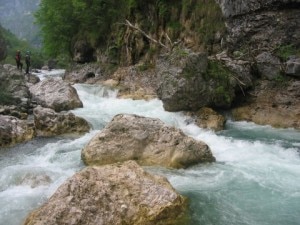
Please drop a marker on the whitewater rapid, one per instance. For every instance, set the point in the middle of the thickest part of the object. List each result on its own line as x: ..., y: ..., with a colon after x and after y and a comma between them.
x: 255, y: 181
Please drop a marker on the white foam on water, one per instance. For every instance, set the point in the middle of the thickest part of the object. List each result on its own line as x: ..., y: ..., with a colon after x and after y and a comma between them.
x: 44, y: 74
x: 255, y: 180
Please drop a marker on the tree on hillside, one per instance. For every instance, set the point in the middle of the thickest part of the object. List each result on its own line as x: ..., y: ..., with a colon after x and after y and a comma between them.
x: 64, y: 21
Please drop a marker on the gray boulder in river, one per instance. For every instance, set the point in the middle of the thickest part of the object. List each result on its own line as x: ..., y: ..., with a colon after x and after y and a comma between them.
x: 148, y: 141
x: 115, y: 194
x: 50, y: 123
x: 56, y: 94
x: 14, y: 130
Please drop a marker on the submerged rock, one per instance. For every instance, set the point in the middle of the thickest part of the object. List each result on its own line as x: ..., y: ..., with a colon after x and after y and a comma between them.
x: 50, y: 123
x: 56, y: 94
x: 113, y: 194
x: 148, y: 141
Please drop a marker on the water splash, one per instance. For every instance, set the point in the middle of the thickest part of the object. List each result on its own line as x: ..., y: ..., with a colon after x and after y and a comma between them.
x: 256, y: 179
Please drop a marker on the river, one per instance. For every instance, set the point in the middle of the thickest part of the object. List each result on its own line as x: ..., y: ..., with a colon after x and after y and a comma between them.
x: 255, y: 180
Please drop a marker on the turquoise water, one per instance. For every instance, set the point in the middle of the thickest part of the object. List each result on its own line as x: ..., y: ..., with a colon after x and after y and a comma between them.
x: 256, y: 179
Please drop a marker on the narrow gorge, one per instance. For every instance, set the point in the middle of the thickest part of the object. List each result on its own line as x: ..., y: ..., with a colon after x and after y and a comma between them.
x: 169, y: 112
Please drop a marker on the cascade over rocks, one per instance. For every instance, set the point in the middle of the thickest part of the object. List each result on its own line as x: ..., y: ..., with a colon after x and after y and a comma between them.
x: 207, y: 118
x: 115, y: 194
x: 14, y: 131
x: 148, y: 141
x: 50, y: 123
x: 134, y: 83
x: 56, y: 94
x: 84, y: 73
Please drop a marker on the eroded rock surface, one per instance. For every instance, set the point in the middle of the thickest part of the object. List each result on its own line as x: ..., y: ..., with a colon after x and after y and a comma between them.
x: 50, y: 123
x: 115, y: 194
x: 14, y: 130
x: 272, y: 104
x: 207, y: 118
x: 56, y: 94
x: 148, y: 141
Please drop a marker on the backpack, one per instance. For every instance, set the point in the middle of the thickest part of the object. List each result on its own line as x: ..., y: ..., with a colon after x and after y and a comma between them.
x: 18, y: 57
x: 27, y: 58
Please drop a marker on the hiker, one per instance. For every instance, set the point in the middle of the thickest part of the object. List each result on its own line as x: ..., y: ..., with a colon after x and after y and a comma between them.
x: 18, y: 60
x: 27, y: 61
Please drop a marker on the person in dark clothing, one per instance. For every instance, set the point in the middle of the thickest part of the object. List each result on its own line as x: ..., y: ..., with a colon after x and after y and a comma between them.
x: 27, y: 61
x: 18, y: 60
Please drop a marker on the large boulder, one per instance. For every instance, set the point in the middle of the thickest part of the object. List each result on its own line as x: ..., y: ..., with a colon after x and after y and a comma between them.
x: 113, y: 194
x: 181, y: 82
x: 148, y: 141
x: 56, y: 94
x: 13, y: 90
x: 14, y: 131
x: 50, y: 123
x: 189, y: 81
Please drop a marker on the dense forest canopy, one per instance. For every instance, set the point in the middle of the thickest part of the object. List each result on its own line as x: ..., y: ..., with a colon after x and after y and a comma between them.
x: 65, y: 21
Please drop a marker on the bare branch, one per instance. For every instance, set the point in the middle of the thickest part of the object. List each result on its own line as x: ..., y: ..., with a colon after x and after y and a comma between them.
x: 146, y: 35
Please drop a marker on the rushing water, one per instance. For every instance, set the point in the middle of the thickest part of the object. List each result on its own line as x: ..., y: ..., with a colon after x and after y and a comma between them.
x: 255, y: 181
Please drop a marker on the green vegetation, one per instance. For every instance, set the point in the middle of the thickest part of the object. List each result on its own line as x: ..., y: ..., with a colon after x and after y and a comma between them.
x: 5, y: 98
x: 62, y: 22
x: 101, y: 22
x: 220, y: 76
x: 14, y: 44
x: 284, y: 51
x: 208, y: 21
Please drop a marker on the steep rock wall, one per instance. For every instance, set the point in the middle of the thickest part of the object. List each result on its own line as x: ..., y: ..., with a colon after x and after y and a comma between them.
x: 256, y: 25
x: 231, y: 8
